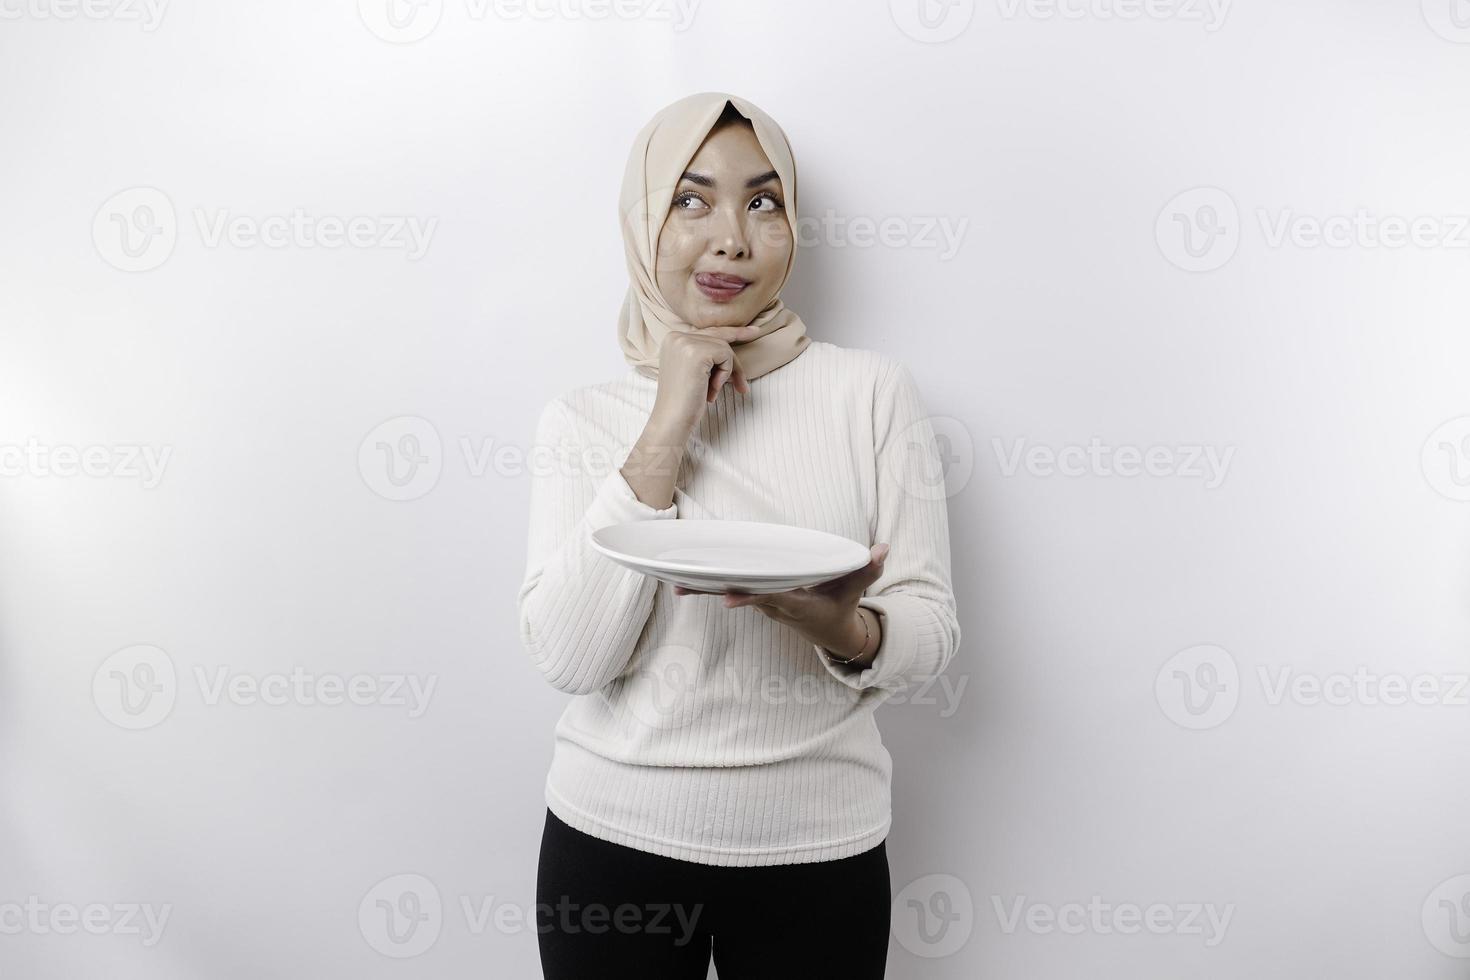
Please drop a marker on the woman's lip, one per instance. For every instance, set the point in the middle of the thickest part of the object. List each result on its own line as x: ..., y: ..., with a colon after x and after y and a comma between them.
x: 718, y: 287
x: 720, y: 279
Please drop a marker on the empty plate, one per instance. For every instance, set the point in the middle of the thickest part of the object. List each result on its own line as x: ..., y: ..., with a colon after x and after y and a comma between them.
x: 739, y: 556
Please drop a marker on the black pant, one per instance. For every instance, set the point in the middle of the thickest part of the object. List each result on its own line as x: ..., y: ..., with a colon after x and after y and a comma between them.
x: 608, y: 911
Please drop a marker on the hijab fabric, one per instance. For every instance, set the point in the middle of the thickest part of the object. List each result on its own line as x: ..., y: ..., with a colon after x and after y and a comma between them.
x: 659, y: 156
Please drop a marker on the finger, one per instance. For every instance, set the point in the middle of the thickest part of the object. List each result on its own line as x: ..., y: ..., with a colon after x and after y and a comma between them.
x: 734, y: 598
x: 681, y: 590
x: 873, y: 570
x: 856, y: 582
x: 717, y: 378
x: 730, y: 372
x: 781, y: 606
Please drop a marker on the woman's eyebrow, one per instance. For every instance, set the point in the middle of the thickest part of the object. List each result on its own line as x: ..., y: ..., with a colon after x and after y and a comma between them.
x: 704, y: 180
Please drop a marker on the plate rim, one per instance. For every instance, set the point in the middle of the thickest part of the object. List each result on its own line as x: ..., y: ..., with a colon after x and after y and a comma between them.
x: 670, y: 566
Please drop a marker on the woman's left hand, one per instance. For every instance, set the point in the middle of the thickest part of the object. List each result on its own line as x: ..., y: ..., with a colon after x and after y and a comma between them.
x: 825, y: 614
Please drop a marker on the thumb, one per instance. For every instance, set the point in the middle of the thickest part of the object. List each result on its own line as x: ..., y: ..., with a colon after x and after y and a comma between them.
x: 873, y: 571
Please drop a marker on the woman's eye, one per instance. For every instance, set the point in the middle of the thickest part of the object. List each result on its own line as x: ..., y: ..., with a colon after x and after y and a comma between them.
x: 689, y: 200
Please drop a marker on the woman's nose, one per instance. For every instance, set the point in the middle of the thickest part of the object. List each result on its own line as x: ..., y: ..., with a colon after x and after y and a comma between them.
x: 730, y: 240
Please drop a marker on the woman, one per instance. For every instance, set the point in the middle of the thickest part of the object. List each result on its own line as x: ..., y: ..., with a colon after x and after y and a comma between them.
x: 719, y: 780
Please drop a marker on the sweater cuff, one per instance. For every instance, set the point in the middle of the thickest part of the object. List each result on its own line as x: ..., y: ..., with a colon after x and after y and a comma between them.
x: 896, y: 649
x: 616, y: 503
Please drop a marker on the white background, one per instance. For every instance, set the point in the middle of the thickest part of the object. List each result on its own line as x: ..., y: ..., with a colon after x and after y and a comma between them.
x: 1078, y: 763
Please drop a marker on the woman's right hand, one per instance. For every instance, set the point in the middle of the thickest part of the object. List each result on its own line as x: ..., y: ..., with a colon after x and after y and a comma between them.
x: 692, y: 367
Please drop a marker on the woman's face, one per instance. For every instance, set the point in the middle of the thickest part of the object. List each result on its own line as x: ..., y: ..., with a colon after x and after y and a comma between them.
x: 726, y: 226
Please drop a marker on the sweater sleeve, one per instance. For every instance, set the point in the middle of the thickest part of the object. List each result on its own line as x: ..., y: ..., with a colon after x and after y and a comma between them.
x: 581, y: 613
x: 914, y: 597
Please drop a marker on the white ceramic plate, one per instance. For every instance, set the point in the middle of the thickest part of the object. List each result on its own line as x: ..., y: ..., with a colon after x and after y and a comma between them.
x: 741, y: 556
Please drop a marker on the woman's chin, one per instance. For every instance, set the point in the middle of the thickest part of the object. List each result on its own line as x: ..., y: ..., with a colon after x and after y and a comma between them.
x: 712, y: 314
x: 721, y: 318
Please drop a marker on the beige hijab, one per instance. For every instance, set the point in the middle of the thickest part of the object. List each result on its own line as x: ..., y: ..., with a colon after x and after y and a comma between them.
x: 660, y: 153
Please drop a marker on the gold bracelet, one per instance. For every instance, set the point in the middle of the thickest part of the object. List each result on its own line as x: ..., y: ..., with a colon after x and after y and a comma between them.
x: 867, y: 635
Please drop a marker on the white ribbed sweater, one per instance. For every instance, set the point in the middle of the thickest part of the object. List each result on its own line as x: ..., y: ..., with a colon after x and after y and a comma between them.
x: 719, y: 735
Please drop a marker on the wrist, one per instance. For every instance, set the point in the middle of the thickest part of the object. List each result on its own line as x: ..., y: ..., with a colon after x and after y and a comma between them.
x: 664, y: 435
x: 658, y: 452
x: 671, y: 424
x: 866, y: 635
